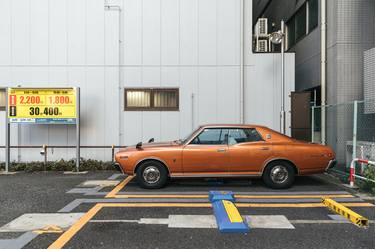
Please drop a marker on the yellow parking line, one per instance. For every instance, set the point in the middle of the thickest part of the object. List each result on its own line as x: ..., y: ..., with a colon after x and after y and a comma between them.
x: 237, y: 196
x: 120, y: 186
x: 301, y: 205
x: 289, y: 196
x: 68, y: 235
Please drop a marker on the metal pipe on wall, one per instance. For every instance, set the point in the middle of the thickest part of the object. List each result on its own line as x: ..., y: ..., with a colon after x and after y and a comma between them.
x: 323, y: 67
x: 283, y: 123
x: 242, y: 82
x: 108, y: 7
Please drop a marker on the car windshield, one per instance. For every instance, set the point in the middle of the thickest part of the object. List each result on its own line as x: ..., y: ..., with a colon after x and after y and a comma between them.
x: 188, y: 137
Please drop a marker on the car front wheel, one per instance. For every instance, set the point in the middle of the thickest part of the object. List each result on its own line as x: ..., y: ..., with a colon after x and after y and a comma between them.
x: 151, y: 175
x: 279, y: 175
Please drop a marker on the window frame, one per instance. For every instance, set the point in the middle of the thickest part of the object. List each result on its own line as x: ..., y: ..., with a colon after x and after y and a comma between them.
x: 152, y: 91
x: 306, y: 6
x: 229, y: 128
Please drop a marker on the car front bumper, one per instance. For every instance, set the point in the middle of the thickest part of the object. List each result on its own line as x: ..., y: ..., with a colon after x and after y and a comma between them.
x: 332, y: 163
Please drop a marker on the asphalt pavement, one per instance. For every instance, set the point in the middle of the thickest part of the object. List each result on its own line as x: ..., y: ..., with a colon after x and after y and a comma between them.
x: 108, y: 210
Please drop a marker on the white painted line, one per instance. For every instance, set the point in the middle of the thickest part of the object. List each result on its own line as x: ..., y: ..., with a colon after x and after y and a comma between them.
x: 268, y: 221
x: 35, y: 221
x: 192, y: 221
x: 209, y: 221
x: 102, y: 183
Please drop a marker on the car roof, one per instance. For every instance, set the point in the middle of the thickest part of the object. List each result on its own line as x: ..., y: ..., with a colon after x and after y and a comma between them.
x: 232, y: 125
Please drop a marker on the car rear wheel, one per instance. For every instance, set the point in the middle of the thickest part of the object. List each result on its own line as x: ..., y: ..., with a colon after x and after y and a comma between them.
x: 151, y: 175
x: 279, y: 175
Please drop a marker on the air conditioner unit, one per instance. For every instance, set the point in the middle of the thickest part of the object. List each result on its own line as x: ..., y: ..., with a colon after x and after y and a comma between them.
x: 262, y: 46
x: 261, y: 28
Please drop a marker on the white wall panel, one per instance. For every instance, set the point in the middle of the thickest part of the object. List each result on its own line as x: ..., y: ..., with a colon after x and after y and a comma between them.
x: 57, y: 32
x: 207, y: 32
x: 228, y: 85
x: 133, y: 23
x: 188, y: 32
x: 188, y: 105
x: 207, y: 95
x: 39, y: 28
x: 95, y: 32
x: 169, y: 32
x: 5, y: 33
x: 20, y: 32
x: 151, y: 32
x: 228, y: 32
x: 76, y: 18
x: 112, y: 36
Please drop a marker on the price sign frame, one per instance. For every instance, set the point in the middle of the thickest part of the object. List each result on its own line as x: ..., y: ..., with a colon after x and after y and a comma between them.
x: 10, y: 110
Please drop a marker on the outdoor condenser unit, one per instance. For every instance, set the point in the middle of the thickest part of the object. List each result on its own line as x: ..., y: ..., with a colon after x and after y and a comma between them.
x: 262, y: 46
x: 261, y: 28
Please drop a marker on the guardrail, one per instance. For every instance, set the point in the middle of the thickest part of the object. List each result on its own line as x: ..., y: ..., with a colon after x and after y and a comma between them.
x: 352, y: 174
x: 44, y: 148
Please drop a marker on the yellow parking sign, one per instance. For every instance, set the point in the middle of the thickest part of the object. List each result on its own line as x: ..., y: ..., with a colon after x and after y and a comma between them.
x: 42, y: 105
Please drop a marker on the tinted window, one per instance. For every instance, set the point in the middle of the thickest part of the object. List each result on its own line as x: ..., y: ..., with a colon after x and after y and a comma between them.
x: 211, y: 136
x: 313, y: 14
x: 243, y: 135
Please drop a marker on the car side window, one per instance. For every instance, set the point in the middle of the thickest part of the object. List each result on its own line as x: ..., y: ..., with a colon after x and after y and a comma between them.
x: 241, y: 135
x: 212, y: 136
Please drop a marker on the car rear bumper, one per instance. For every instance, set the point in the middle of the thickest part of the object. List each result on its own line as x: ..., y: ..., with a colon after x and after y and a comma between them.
x: 332, y: 163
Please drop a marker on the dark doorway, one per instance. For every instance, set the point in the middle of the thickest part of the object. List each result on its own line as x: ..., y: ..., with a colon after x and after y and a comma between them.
x: 301, y: 115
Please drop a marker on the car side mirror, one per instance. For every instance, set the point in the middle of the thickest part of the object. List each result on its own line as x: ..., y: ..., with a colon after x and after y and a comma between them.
x: 151, y: 140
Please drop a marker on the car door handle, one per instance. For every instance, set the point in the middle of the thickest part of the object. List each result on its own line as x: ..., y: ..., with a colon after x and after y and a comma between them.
x: 221, y: 150
x: 264, y: 148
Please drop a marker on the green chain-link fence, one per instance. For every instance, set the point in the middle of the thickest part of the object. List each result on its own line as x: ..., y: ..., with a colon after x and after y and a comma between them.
x: 349, y: 125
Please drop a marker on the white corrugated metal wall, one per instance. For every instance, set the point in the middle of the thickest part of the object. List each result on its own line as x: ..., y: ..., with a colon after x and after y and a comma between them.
x: 190, y: 44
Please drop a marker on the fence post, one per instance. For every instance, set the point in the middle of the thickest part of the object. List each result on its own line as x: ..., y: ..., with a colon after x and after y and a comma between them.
x: 113, y: 153
x: 355, y: 115
x: 312, y: 123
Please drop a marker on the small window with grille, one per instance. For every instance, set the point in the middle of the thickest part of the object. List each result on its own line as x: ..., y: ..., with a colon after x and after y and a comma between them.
x: 151, y: 99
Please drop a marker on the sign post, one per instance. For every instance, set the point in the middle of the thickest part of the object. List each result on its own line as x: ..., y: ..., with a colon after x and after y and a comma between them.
x: 78, y: 129
x: 7, y: 134
x: 42, y: 106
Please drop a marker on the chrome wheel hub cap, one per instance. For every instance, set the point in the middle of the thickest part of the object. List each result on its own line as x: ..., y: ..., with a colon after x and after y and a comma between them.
x: 279, y: 174
x: 151, y: 174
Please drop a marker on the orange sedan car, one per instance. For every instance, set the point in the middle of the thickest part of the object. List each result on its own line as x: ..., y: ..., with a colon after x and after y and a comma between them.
x: 226, y: 151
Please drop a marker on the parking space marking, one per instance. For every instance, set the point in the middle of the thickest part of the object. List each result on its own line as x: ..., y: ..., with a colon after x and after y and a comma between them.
x: 236, y: 196
x: 120, y: 186
x: 68, y: 235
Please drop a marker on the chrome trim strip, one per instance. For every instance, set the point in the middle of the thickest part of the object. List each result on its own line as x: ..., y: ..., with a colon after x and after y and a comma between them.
x: 214, y: 175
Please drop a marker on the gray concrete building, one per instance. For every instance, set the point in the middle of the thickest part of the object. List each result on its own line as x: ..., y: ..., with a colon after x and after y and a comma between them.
x: 350, y: 26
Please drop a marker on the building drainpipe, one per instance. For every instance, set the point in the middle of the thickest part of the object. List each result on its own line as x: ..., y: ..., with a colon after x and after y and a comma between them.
x: 323, y: 67
x: 242, y: 82
x: 108, y: 7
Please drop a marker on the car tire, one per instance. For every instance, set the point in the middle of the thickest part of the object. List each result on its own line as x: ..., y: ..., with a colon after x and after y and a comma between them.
x: 279, y: 175
x: 151, y: 175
